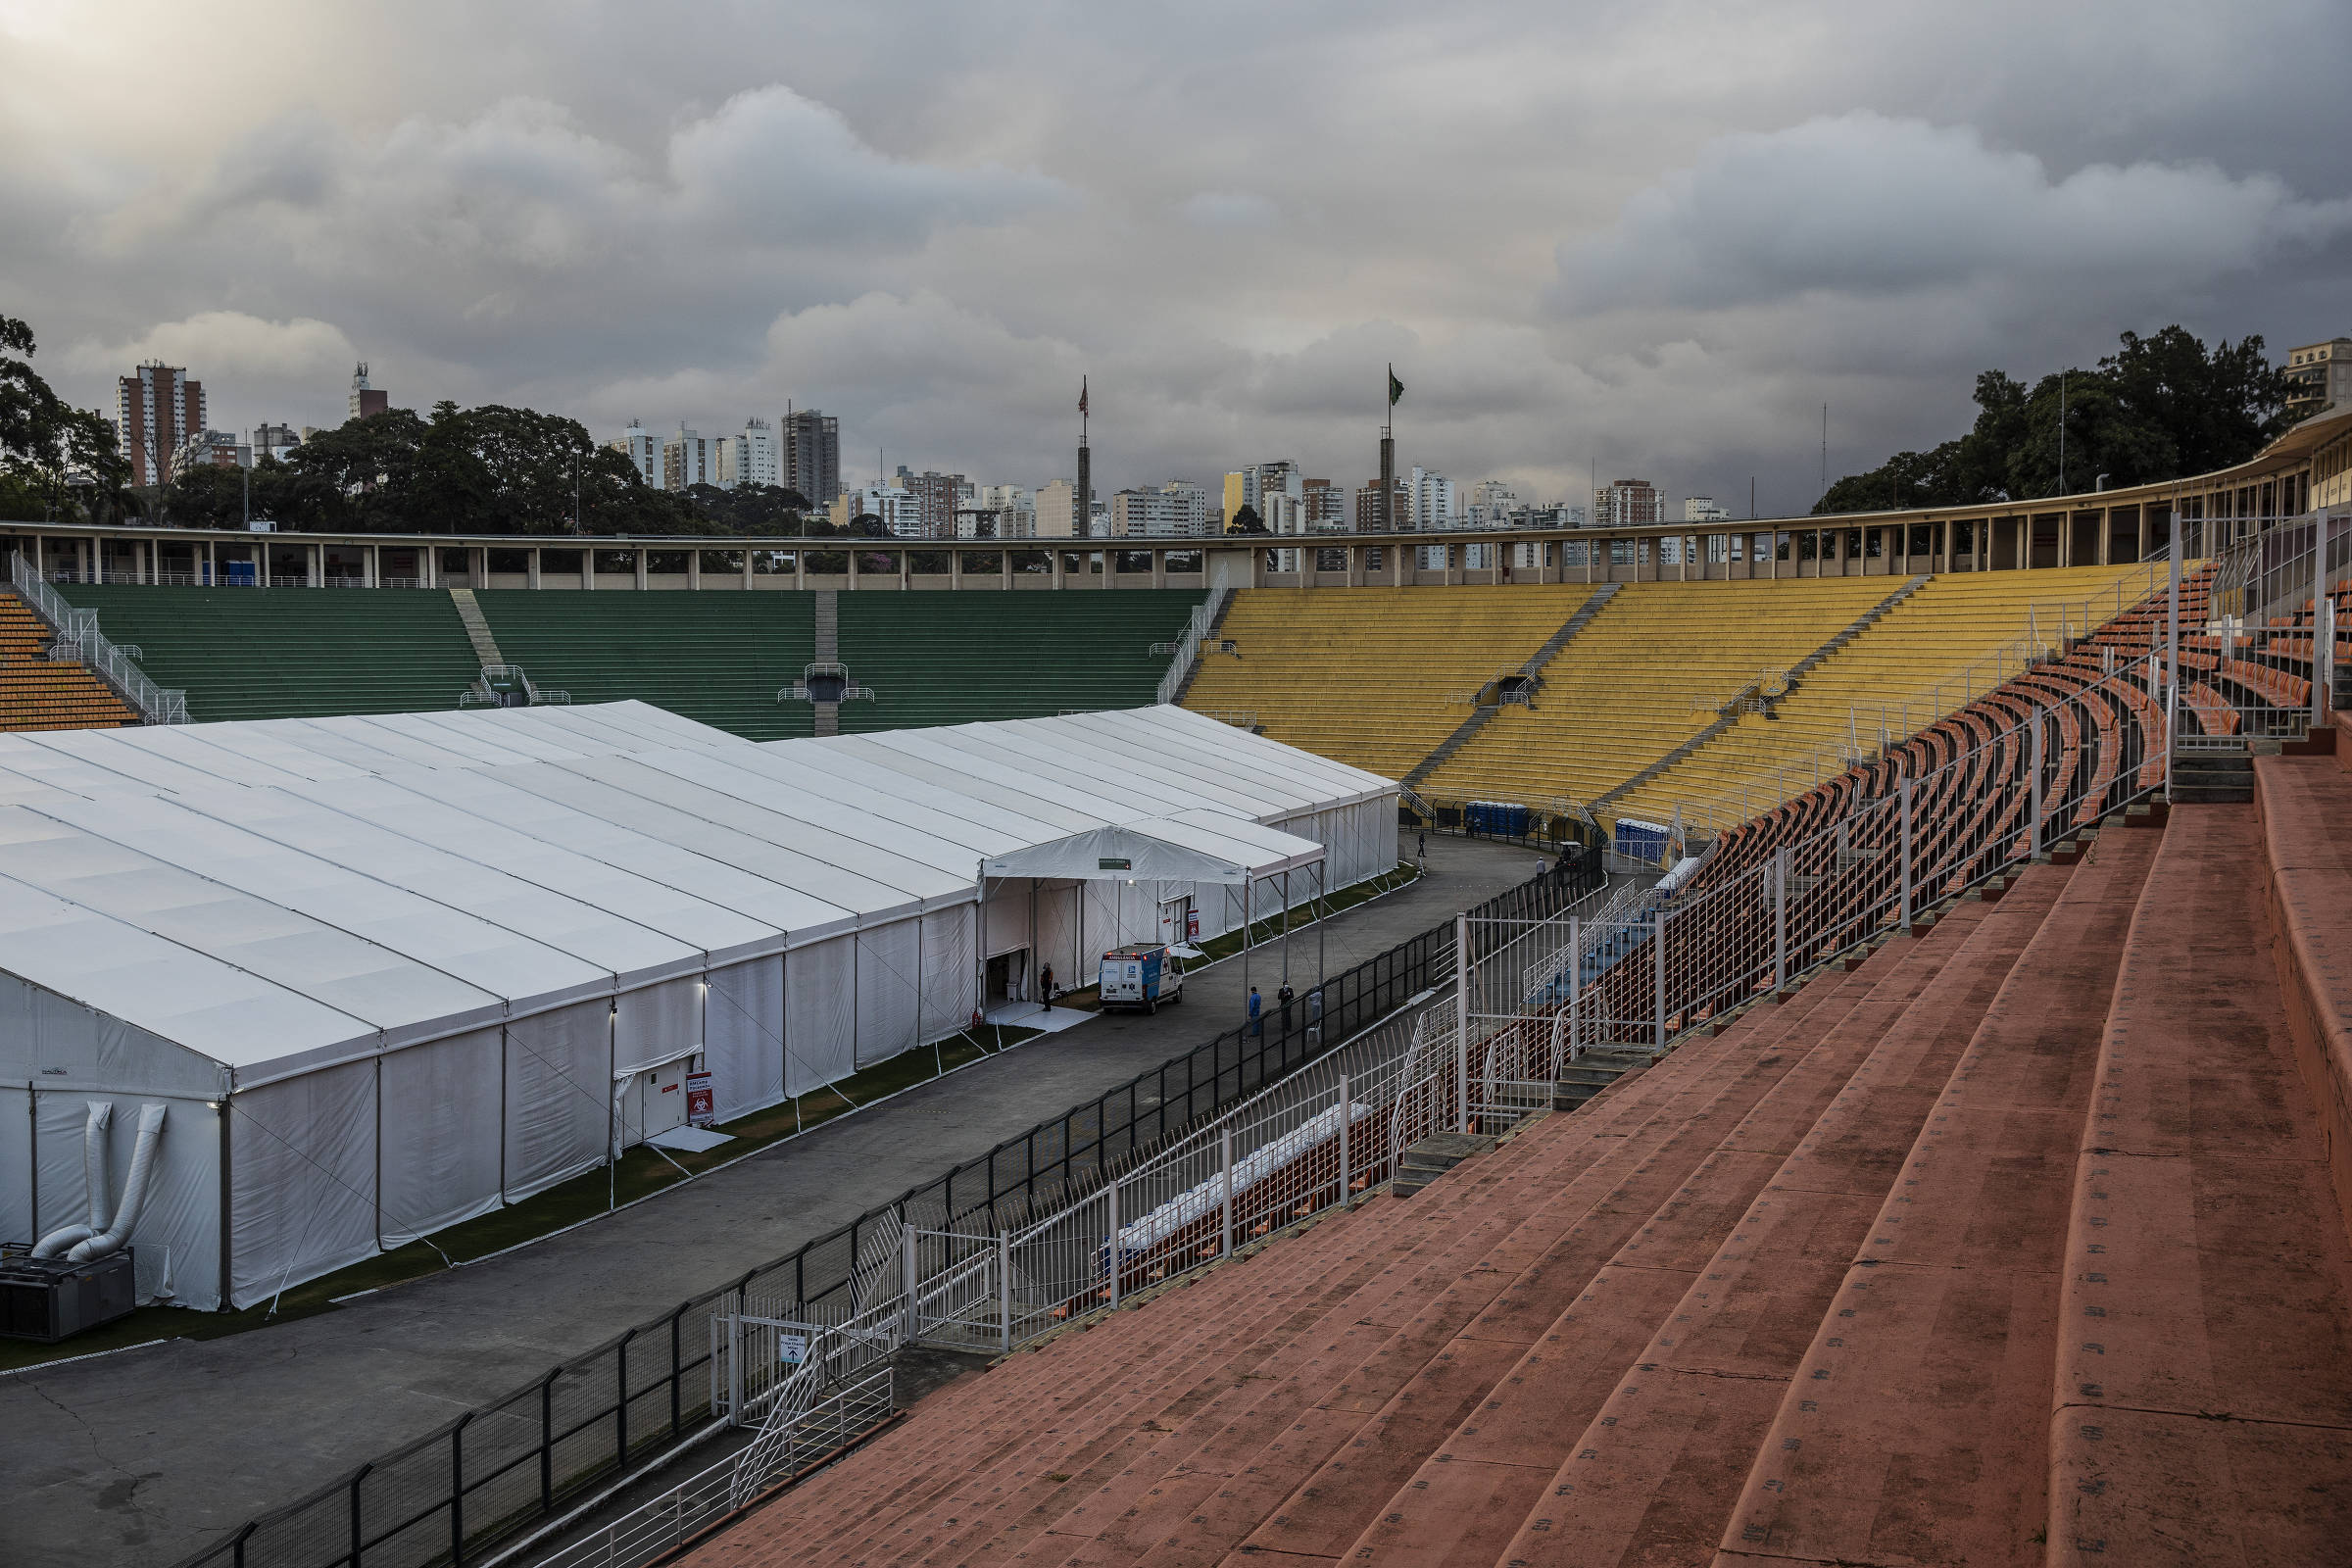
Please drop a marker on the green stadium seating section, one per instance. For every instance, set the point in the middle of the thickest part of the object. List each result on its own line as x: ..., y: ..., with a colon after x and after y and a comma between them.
x: 244, y: 652
x: 716, y: 658
x: 958, y: 658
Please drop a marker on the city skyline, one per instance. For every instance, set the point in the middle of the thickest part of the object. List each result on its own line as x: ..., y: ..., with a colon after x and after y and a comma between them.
x: 1581, y: 251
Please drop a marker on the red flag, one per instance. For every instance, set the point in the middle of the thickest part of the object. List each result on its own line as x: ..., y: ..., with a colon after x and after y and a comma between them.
x: 1082, y: 394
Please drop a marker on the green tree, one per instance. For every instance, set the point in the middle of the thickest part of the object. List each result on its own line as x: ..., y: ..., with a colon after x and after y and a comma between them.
x: 2159, y: 408
x: 51, y: 453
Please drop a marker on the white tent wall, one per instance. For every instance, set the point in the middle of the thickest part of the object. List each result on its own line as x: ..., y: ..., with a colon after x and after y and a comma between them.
x: 558, y: 1095
x: 18, y: 1178
x: 889, y: 977
x: 302, y: 1179
x: 439, y: 1105
x: 1058, y: 932
x: 820, y: 1014
x: 743, y: 1037
x: 176, y: 1241
x: 949, y: 990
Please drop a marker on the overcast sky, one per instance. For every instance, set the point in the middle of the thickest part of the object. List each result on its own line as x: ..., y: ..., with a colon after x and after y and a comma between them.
x: 1652, y: 238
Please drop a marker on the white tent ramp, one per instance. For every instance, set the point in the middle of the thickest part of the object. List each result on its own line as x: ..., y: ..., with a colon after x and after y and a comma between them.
x: 384, y: 973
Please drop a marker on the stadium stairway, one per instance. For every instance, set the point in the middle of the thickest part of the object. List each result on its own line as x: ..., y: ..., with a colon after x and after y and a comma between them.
x: 2015, y: 1243
x: 35, y: 693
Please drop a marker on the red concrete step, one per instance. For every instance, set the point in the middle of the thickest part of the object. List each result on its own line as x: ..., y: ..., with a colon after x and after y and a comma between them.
x: 1441, y: 1360
x: 1915, y: 1431
x: 1409, y: 1489
x: 1418, y: 1238
x: 1658, y: 1467
x: 2305, y: 808
x: 2202, y: 1403
x: 1163, y: 1476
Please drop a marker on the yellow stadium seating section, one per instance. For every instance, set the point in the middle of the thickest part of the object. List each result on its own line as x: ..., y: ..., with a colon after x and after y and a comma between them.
x: 1364, y: 674
x: 1914, y: 661
x: 35, y: 693
x: 1644, y: 676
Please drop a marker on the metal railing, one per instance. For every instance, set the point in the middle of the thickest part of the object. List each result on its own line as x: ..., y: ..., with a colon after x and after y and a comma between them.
x: 1186, y: 652
x: 112, y: 662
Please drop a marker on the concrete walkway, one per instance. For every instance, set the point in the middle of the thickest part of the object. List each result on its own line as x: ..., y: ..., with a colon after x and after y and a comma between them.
x: 148, y: 1455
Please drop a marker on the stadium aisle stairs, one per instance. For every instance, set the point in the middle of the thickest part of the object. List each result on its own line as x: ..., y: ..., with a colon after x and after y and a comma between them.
x: 960, y: 658
x: 35, y: 693
x: 717, y: 657
x: 1645, y: 677
x: 1950, y: 624
x: 1364, y: 675
x: 291, y: 653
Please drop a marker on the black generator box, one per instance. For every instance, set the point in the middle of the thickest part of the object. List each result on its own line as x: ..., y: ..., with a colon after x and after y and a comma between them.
x: 48, y: 1299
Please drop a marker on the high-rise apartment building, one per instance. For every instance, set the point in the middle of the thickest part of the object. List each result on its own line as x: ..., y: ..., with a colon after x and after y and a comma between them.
x: 900, y: 514
x: 1058, y: 510
x: 1702, y: 508
x: 1431, y: 494
x: 935, y: 495
x: 813, y: 455
x: 1369, y: 516
x: 2322, y: 373
x: 1326, y: 505
x: 1176, y: 509
x: 1627, y: 504
x: 687, y: 458
x: 643, y: 449
x: 367, y: 402
x: 157, y: 411
x: 753, y: 456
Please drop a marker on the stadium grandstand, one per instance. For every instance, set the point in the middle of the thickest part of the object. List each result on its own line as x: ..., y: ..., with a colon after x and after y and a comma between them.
x: 1931, y: 1143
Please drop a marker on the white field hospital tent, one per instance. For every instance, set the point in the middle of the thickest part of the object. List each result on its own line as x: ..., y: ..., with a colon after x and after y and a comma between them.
x: 385, y: 973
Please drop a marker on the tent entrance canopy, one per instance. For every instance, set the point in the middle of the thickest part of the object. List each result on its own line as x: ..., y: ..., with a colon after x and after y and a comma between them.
x: 1196, y: 845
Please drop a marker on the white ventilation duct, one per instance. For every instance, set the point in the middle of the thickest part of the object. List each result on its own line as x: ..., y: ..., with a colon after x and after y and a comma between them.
x: 134, y: 1189
x: 93, y: 1170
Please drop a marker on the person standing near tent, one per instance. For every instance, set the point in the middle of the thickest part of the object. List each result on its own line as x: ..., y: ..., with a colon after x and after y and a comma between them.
x: 1045, y: 985
x: 1258, y: 1025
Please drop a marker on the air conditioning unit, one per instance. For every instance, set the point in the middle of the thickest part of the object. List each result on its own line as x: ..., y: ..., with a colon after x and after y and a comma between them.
x: 48, y: 1299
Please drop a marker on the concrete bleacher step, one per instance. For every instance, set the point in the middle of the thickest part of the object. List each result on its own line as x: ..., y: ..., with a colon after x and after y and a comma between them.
x: 1593, y: 1071
x: 1914, y: 1430
x: 1379, y: 1418
x: 1509, y: 1481
x: 1480, y: 1230
x: 2202, y: 1396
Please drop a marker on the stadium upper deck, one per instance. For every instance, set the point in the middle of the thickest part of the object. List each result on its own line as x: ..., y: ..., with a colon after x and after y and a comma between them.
x: 2309, y: 467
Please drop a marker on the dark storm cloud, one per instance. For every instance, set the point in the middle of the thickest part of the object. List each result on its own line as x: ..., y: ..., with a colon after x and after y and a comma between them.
x: 1644, y: 239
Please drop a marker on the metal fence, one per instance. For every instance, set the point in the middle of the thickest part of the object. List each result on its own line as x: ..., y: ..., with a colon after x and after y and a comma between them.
x: 495, y: 1473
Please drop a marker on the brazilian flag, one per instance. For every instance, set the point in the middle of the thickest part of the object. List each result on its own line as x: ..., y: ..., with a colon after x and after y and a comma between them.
x: 1396, y: 387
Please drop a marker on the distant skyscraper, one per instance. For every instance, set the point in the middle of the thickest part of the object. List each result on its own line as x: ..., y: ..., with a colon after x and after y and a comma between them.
x: 935, y: 495
x: 813, y: 455
x: 1431, y: 495
x: 1702, y: 508
x: 1371, y: 518
x: 643, y: 449
x: 687, y: 460
x: 1627, y: 504
x: 1176, y: 509
x: 157, y: 411
x: 751, y: 456
x: 367, y: 402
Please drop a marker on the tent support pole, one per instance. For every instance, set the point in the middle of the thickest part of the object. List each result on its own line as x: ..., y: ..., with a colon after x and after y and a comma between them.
x: 1286, y: 925
x: 1246, y: 932
x: 1322, y: 902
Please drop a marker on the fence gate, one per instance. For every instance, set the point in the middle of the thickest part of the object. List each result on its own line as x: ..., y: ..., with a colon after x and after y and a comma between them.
x: 957, y: 1290
x: 752, y: 1352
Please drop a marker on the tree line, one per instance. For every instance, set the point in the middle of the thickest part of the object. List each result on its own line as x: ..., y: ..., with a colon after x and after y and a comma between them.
x: 2159, y: 408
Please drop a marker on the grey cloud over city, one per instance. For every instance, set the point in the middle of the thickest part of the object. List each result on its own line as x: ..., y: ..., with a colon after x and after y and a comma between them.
x: 1645, y: 239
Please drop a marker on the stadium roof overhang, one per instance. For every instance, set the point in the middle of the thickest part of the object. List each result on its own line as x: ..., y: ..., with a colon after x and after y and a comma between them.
x: 1198, y: 845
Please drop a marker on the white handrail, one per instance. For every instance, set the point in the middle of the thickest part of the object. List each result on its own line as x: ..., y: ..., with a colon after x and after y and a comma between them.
x: 108, y: 661
x: 1188, y: 652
